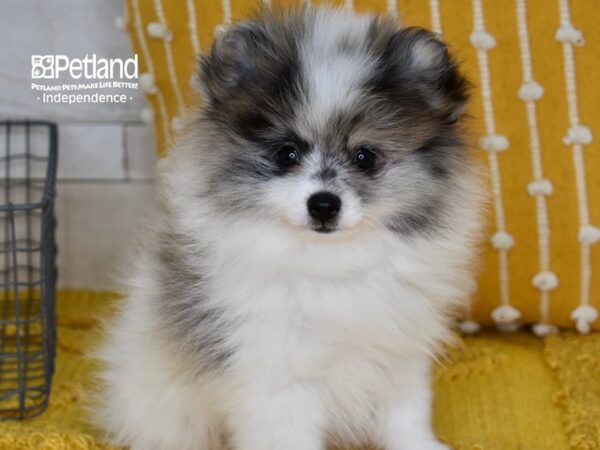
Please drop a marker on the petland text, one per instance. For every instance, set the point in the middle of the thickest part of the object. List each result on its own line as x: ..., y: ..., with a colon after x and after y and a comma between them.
x: 89, y: 67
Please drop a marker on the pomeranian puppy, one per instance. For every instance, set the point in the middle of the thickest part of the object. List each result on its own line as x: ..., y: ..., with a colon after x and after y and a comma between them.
x: 314, y: 235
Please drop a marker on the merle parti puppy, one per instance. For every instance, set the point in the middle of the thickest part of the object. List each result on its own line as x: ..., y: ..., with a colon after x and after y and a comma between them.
x: 313, y: 238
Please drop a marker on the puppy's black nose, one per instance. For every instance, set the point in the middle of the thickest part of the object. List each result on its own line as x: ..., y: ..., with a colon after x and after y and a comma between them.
x: 324, y: 206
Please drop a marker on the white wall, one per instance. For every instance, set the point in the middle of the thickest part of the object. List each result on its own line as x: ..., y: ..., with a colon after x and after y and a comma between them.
x: 106, y: 152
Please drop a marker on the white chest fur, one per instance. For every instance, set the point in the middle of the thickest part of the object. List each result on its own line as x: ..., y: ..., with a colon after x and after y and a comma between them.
x: 344, y: 325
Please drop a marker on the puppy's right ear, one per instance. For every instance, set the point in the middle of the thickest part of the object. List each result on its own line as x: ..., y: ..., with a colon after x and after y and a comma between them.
x: 418, y: 61
x: 232, y: 62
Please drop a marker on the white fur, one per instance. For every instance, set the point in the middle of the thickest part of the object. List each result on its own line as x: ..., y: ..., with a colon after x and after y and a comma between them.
x: 333, y: 76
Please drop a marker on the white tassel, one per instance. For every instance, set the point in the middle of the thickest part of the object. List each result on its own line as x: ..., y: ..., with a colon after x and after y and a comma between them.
x: 583, y: 326
x: 578, y: 134
x: 147, y: 83
x: 147, y: 115
x: 568, y: 34
x: 158, y: 31
x: 545, y: 280
x: 540, y: 187
x: 530, y: 91
x: 482, y: 40
x: 589, y: 234
x: 585, y: 312
x: 120, y: 23
x: 501, y: 240
x: 584, y: 316
x: 544, y: 329
x: 505, y: 314
x: 493, y: 142
x: 469, y: 327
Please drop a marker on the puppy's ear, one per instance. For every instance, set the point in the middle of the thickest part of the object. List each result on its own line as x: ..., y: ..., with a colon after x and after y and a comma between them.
x: 420, y: 61
x: 233, y: 61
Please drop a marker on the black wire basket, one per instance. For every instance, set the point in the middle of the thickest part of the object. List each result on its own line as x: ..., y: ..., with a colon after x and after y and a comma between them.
x: 27, y: 266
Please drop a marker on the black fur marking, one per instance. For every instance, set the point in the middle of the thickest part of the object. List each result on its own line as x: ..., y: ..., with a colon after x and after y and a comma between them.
x: 418, y: 87
x: 262, y: 57
x: 252, y: 125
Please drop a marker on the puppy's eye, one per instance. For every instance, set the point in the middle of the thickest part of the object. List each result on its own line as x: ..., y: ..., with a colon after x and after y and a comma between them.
x: 364, y: 158
x: 287, y: 155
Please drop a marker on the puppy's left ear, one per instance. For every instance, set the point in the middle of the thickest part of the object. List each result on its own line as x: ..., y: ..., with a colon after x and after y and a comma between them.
x: 234, y: 60
x: 420, y: 61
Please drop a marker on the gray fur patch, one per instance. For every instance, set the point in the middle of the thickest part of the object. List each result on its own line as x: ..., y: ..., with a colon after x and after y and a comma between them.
x: 187, y: 318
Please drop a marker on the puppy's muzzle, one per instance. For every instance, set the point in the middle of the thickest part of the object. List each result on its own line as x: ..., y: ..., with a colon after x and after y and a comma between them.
x: 324, y: 207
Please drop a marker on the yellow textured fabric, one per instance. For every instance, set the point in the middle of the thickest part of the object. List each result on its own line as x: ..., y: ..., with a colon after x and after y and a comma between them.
x: 493, y: 392
x: 507, y: 273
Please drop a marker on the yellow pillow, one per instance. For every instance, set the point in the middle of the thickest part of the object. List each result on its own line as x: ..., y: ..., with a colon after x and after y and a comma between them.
x: 535, y: 67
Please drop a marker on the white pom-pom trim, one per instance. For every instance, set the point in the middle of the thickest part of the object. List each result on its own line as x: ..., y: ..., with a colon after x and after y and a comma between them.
x: 120, y: 23
x: 505, y: 314
x: 501, y: 240
x: 584, y: 316
x: 585, y: 312
x: 544, y: 329
x: 147, y: 83
x: 469, y: 327
x: 530, y: 91
x: 176, y: 124
x: 540, y: 187
x: 568, y: 34
x: 578, y: 134
x: 147, y: 115
x: 220, y: 30
x: 493, y: 142
x: 482, y: 40
x: 545, y: 280
x: 589, y: 234
x: 583, y: 326
x: 158, y: 31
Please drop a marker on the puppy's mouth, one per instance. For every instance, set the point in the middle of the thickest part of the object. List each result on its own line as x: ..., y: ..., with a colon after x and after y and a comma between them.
x: 324, y: 228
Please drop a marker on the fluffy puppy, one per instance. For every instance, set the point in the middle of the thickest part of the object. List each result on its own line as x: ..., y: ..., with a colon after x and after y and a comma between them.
x: 314, y: 235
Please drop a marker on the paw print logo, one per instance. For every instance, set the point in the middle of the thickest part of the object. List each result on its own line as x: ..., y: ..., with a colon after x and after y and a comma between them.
x: 42, y: 66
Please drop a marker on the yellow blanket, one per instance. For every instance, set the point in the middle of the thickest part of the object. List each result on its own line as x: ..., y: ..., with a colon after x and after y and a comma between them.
x: 494, y: 391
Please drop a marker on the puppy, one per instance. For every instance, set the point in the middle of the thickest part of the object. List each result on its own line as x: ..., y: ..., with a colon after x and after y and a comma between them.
x: 313, y: 238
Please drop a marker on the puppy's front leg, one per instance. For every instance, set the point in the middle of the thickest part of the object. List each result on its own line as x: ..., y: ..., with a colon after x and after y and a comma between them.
x: 405, y: 422
x: 286, y: 420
